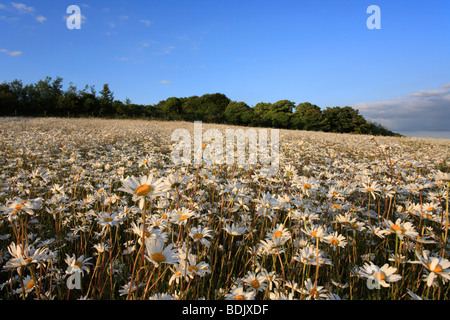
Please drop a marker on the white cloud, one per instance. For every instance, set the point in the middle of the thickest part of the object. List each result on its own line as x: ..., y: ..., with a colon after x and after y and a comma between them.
x: 166, y: 50
x: 428, y: 93
x: 165, y: 82
x: 22, y: 8
x: 146, y: 22
x: 11, y: 53
x: 426, y: 110
x: 41, y: 19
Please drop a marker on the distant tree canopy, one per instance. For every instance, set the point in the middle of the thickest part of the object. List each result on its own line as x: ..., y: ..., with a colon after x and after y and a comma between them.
x: 47, y: 98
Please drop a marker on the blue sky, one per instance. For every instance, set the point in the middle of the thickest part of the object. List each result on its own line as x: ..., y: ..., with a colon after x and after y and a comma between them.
x: 319, y: 51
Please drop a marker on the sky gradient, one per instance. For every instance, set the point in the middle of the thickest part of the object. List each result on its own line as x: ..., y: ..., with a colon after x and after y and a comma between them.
x: 253, y: 51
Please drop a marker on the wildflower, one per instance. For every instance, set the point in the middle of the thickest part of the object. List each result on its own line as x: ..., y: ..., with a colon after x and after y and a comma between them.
x: 156, y: 253
x: 373, y: 189
x: 145, y: 187
x: 310, y: 256
x: 29, y: 284
x: 279, y: 234
x: 125, y: 289
x: 238, y: 293
x: 181, y: 216
x: 336, y: 240
x: 401, y: 229
x: 105, y: 219
x: 19, y: 206
x: 79, y: 264
x: 376, y: 275
x: 435, y: 267
x: 24, y: 256
x: 255, y: 281
x: 200, y: 234
x: 235, y: 230
x: 191, y: 267
x: 279, y: 295
x: 315, y: 231
x: 164, y: 296
x: 314, y: 291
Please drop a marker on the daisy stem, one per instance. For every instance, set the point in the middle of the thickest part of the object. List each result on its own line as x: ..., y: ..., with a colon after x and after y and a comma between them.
x: 317, y: 266
x: 446, y: 223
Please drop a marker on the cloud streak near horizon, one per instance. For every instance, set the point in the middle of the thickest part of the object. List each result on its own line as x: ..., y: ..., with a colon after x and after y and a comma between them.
x: 426, y: 110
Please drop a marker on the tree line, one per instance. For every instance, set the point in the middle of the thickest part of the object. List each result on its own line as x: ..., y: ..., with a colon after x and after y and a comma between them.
x: 47, y: 98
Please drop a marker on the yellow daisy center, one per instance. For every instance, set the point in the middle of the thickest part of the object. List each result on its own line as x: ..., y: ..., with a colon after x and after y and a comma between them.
x: 438, y: 268
x: 158, y: 257
x: 107, y: 220
x: 198, y: 236
x: 397, y: 228
x: 255, y: 284
x: 78, y: 264
x: 380, y: 276
x: 277, y: 234
x: 143, y: 190
x: 334, y: 242
x: 30, y: 285
x: 18, y: 207
x: 239, y: 297
x: 314, y: 293
x: 307, y: 186
x: 314, y: 233
x: 193, y: 268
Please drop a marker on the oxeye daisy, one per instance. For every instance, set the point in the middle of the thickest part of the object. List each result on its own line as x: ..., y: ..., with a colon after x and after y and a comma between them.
x: 435, y: 267
x: 24, y: 256
x: 373, y: 189
x: 238, y: 293
x: 335, y: 240
x: 401, y: 229
x: 29, y: 284
x: 200, y: 234
x: 156, y: 253
x: 20, y: 206
x: 379, y: 276
x: 105, y: 219
x: 79, y: 264
x: 315, y: 231
x: 234, y: 229
x: 255, y: 281
x: 310, y: 256
x: 181, y: 216
x: 313, y: 291
x: 144, y: 187
x: 279, y: 233
x: 191, y: 267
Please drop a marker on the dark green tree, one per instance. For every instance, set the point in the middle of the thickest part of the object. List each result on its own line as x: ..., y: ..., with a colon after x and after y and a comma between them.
x: 238, y: 113
x: 106, y: 102
x: 307, y: 116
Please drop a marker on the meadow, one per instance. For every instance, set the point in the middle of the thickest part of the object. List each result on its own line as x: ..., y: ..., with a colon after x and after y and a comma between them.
x: 96, y: 209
